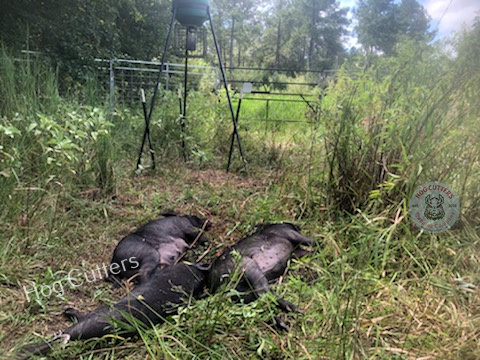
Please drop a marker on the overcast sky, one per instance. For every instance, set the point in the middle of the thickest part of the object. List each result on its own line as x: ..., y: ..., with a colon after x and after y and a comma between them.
x: 458, y: 13
x: 447, y: 15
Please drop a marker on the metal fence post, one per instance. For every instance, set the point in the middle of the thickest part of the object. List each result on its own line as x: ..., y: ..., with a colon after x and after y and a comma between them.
x: 167, y: 75
x: 112, y: 86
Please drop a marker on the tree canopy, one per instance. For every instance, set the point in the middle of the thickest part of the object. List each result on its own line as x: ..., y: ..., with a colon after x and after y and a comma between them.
x: 382, y: 23
x: 75, y: 32
x: 291, y: 34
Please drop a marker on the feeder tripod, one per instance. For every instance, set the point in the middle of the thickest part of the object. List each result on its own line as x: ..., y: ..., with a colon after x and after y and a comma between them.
x: 148, y: 115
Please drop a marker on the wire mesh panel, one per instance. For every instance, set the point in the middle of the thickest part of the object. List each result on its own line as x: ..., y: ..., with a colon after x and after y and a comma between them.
x: 275, y: 97
x: 127, y: 77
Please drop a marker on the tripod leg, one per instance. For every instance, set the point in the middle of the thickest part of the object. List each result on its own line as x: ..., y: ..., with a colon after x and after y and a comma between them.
x: 149, y: 136
x: 222, y: 70
x: 184, y: 112
x: 164, y: 56
x: 155, y: 92
x: 145, y: 132
x: 233, y: 135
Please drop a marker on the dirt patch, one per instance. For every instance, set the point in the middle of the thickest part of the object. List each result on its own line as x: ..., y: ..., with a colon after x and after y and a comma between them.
x: 218, y: 178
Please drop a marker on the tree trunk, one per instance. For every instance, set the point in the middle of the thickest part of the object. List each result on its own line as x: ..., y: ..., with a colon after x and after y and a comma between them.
x: 277, y: 48
x: 231, y: 43
x: 239, y: 57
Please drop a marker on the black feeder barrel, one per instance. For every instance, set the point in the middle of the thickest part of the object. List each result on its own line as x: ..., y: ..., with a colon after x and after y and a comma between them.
x: 191, y: 12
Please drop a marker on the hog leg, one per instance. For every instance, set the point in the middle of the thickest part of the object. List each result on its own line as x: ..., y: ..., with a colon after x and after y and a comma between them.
x: 73, y: 314
x: 148, y: 265
x: 296, y: 237
x: 132, y: 256
x: 259, y: 282
x: 299, y: 253
x: 191, y: 233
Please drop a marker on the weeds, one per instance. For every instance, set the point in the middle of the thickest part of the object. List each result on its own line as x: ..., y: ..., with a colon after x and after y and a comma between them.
x: 377, y: 288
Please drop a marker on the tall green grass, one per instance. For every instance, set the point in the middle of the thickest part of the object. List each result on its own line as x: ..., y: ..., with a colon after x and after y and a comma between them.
x: 50, y: 146
x: 393, y: 125
x: 26, y: 85
x: 377, y: 288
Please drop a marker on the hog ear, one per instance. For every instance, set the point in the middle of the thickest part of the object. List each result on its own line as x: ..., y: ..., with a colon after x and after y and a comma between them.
x: 261, y: 226
x: 293, y: 226
x: 199, y: 222
x: 168, y: 213
x: 196, y: 221
x: 440, y: 198
x: 428, y: 201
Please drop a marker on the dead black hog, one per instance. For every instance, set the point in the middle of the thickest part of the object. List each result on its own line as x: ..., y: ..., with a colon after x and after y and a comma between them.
x: 159, y: 243
x: 149, y: 303
x: 263, y: 257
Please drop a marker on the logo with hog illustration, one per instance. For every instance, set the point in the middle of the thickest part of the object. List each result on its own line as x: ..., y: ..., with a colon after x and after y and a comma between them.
x: 434, y: 207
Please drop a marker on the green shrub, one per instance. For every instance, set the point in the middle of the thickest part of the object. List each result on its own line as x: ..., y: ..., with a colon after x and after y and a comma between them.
x: 395, y: 124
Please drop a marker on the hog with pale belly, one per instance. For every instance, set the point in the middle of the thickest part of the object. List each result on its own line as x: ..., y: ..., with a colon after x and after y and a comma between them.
x: 263, y: 257
x: 159, y: 243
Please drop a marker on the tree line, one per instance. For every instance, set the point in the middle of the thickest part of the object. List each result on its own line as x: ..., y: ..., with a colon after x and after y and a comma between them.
x: 290, y: 34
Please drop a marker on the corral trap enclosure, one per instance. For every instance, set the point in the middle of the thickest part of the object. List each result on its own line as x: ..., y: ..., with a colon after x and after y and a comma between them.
x: 253, y: 94
x: 268, y: 95
x: 274, y: 94
x: 264, y: 99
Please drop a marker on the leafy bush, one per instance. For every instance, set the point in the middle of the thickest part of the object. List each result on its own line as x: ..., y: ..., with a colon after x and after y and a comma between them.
x: 397, y: 123
x: 57, y: 145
